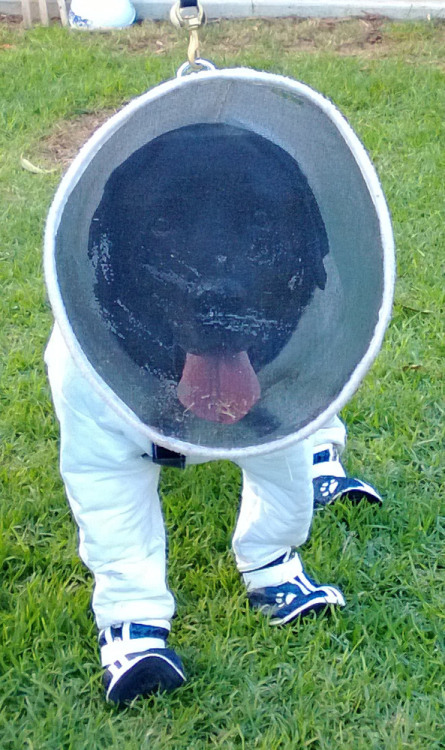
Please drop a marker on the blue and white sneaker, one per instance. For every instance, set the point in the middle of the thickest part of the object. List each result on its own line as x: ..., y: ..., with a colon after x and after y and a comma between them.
x: 283, y: 591
x: 137, y: 661
x: 331, y: 483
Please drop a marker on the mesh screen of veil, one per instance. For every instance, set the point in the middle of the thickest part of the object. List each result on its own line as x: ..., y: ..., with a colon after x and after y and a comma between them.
x: 219, y: 290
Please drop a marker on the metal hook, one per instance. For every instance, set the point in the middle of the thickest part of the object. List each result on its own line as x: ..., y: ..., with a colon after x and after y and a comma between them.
x: 188, y: 16
x: 199, y: 65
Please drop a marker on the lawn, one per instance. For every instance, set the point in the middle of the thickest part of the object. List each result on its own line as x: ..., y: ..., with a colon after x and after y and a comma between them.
x: 370, y: 677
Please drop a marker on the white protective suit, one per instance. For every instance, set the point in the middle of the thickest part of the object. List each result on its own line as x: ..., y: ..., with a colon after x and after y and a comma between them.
x: 113, y: 493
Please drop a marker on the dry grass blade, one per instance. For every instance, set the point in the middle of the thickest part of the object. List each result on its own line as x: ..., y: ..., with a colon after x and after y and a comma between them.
x: 30, y: 167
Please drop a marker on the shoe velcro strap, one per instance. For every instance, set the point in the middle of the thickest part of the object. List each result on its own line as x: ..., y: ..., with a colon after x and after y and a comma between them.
x: 119, y: 650
x: 275, y: 575
x: 326, y: 462
x: 324, y: 452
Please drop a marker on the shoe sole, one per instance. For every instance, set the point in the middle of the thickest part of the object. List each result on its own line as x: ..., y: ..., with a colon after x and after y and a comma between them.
x: 355, y: 495
x: 150, y: 674
x: 300, y: 612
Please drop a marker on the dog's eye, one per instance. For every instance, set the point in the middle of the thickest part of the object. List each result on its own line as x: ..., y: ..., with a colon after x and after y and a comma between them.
x: 161, y: 227
x: 261, y: 252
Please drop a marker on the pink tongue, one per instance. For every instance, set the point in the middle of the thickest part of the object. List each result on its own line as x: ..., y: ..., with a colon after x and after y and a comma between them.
x: 219, y: 388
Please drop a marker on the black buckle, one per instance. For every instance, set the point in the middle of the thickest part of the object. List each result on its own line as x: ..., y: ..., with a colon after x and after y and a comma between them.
x: 165, y: 457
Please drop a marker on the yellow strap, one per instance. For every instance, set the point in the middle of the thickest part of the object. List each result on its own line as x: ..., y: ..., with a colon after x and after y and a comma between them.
x: 190, y: 18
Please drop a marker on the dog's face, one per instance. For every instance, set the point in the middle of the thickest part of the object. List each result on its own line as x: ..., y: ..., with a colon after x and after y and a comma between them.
x: 208, y: 243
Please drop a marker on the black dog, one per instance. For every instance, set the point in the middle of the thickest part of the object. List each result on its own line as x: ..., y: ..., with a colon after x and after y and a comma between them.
x: 207, y: 246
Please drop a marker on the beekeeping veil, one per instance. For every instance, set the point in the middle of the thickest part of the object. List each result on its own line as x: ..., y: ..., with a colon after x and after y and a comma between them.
x: 219, y: 258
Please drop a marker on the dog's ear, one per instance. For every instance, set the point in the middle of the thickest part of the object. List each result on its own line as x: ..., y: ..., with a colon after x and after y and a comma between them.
x: 318, y: 244
x: 317, y: 268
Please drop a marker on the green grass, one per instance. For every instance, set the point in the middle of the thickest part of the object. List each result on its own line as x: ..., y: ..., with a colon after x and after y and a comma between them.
x: 370, y: 677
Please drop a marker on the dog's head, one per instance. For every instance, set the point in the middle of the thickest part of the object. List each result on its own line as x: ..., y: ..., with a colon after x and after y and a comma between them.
x: 207, y: 246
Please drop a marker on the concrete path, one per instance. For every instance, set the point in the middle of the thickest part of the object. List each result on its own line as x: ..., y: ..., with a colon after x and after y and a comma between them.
x: 395, y: 9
